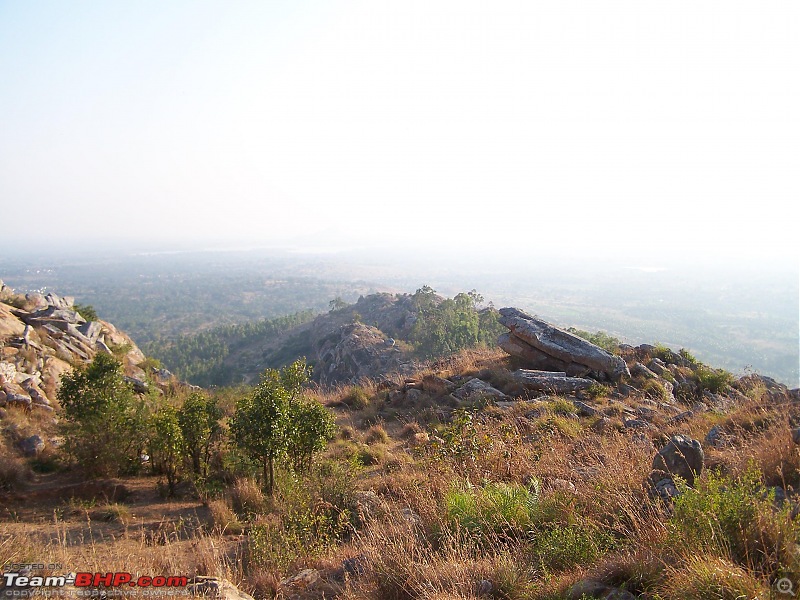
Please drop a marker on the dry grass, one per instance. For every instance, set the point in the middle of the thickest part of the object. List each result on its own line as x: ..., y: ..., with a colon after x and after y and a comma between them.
x: 520, y: 502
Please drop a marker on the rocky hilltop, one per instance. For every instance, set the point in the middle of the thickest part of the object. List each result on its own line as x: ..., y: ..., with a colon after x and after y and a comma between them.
x: 378, y: 336
x: 44, y: 336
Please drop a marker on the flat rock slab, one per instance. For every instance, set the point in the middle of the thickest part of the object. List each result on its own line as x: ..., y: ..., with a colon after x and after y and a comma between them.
x: 557, y: 384
x: 569, y: 349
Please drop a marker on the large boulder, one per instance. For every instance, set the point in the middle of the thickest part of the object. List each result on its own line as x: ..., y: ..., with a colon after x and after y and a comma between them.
x: 547, y: 347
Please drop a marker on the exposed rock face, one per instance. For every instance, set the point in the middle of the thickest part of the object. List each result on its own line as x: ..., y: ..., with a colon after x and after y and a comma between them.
x: 544, y: 346
x: 355, y: 351
x: 39, y: 345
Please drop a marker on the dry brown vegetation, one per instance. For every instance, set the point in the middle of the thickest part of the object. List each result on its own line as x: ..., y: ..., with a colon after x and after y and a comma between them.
x: 418, y: 499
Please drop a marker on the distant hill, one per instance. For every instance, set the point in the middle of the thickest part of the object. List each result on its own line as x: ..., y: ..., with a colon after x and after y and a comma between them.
x: 379, y: 334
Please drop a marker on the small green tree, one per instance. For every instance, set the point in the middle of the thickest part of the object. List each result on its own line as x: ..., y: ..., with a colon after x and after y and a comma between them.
x: 199, y: 423
x: 337, y: 304
x: 166, y: 445
x: 275, y: 421
x: 313, y: 427
x: 103, y: 417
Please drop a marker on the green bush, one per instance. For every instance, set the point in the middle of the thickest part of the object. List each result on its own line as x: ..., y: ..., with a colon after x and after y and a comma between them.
x: 729, y: 516
x: 104, y: 418
x: 87, y: 311
x: 357, y: 398
x: 199, y: 422
x: 493, y: 508
x: 166, y: 445
x: 713, y: 380
x: 563, y: 547
x: 276, y: 421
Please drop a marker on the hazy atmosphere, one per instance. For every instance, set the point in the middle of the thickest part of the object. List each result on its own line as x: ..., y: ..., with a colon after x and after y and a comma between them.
x: 411, y: 300
x: 621, y: 128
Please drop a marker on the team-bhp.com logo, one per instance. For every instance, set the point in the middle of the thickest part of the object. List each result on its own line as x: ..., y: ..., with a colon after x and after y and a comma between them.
x: 24, y: 581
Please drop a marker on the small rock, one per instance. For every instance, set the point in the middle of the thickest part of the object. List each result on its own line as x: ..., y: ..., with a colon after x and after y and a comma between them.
x: 666, y: 489
x: 602, y: 425
x: 681, y: 457
x: 680, y: 417
x: 485, y: 587
x: 413, y: 394
x: 642, y: 371
x: 355, y: 565
x: 213, y: 587
x: 636, y: 424
x: 645, y: 412
x: 584, y: 409
x: 31, y: 446
x: 302, y: 581
x: 717, y: 437
x: 476, y: 389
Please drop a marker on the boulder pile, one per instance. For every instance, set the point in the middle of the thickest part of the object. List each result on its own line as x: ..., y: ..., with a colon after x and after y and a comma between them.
x: 44, y: 336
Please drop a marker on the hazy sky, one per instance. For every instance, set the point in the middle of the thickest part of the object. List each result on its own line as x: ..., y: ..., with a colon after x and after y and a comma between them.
x: 631, y: 125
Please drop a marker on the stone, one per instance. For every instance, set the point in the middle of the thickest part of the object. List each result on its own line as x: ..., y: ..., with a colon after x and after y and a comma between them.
x: 214, y: 587
x: 645, y: 412
x: 355, y: 565
x: 8, y: 372
x: 636, y: 424
x: 413, y: 394
x: 590, y: 588
x: 680, y: 417
x: 436, y: 386
x: 717, y: 437
x: 303, y: 580
x: 10, y: 324
x: 681, y: 457
x: 602, y: 425
x: 35, y: 392
x: 584, y: 409
x: 562, y: 345
x: 31, y: 446
x: 139, y: 386
x: 556, y: 384
x: 638, y: 369
x: 666, y: 489
x: 658, y: 367
x: 477, y: 389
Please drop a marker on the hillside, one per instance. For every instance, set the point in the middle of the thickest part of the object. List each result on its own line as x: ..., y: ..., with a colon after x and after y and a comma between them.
x: 44, y: 336
x: 379, y: 335
x: 548, y: 468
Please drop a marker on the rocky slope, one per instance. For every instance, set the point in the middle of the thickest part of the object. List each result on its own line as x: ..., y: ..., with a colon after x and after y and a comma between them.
x: 344, y: 345
x: 42, y: 337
